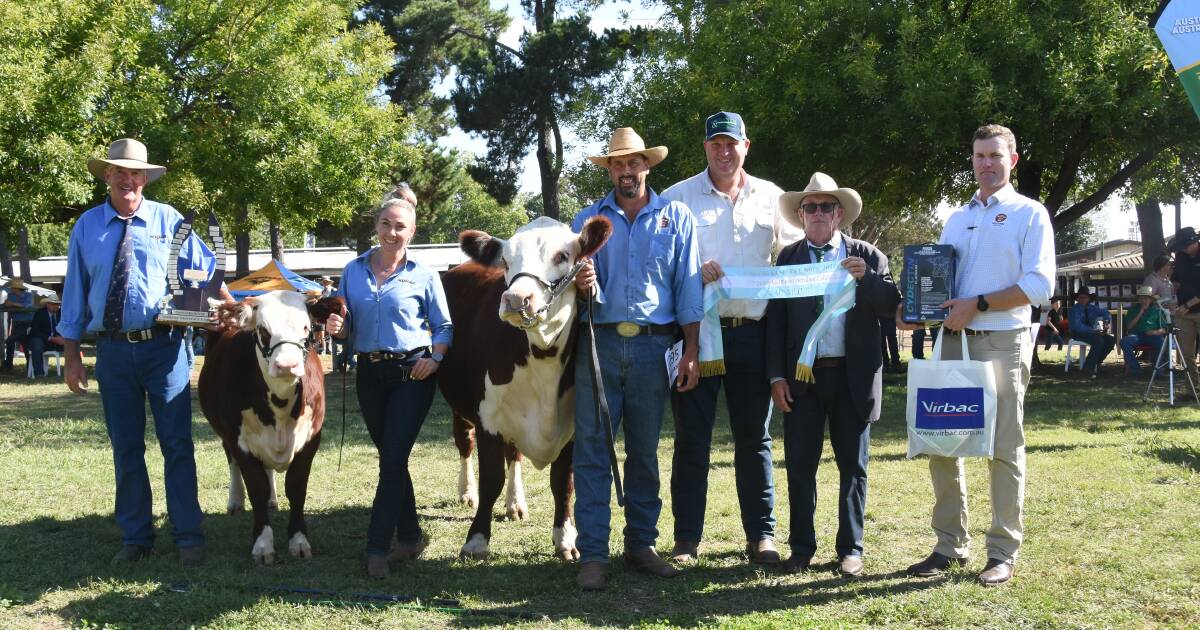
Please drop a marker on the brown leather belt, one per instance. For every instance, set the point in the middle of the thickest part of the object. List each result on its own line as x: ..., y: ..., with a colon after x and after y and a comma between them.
x: 829, y: 362
x: 631, y: 329
x: 734, y: 322
x: 967, y: 331
x: 136, y: 336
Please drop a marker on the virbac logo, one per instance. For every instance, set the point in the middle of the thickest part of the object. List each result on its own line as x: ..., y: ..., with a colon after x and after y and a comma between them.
x: 950, y: 408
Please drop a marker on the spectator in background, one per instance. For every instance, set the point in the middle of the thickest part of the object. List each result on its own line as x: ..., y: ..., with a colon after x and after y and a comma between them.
x: 1186, y: 277
x: 889, y: 344
x: 43, y: 334
x: 1160, y: 279
x: 1088, y: 324
x: 1145, y: 325
x: 1056, y: 325
x: 20, y: 307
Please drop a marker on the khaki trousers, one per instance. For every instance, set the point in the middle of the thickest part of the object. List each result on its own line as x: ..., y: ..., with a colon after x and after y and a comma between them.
x: 1010, y: 352
x: 1188, y: 326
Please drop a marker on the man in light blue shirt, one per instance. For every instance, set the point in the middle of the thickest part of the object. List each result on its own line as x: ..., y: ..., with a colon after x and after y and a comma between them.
x: 647, y: 279
x: 117, y: 265
x: 1085, y: 323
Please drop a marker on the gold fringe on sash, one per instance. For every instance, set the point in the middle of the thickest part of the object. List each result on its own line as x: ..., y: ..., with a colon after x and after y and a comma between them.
x: 804, y: 373
x: 712, y: 368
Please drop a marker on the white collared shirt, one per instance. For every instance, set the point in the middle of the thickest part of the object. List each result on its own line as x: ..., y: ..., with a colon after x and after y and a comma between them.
x: 743, y: 233
x: 833, y: 342
x: 1004, y: 240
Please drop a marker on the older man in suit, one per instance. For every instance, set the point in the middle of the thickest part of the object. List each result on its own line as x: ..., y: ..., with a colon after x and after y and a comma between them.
x: 847, y: 370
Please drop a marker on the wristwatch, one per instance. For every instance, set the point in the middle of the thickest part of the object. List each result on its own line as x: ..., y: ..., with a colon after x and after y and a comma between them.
x: 982, y: 303
x: 437, y: 356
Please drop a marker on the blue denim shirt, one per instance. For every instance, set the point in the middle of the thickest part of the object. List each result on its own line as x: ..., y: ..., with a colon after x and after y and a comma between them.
x: 90, y: 256
x: 23, y: 299
x: 1081, y: 320
x: 409, y: 311
x: 649, y: 270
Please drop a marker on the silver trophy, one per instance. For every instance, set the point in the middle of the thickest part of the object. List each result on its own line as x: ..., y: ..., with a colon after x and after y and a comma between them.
x: 186, y: 304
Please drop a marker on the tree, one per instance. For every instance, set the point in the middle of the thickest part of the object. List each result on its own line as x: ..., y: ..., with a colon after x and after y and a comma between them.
x: 518, y: 97
x: 884, y: 96
x: 1079, y: 234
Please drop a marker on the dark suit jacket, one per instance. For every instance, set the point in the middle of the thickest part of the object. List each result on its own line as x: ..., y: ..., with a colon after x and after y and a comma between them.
x: 788, y: 321
x: 43, y: 325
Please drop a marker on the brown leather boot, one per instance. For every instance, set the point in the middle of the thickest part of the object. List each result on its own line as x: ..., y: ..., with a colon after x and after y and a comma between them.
x: 377, y: 567
x: 685, y: 551
x: 763, y: 552
x: 996, y: 572
x: 647, y: 561
x: 593, y: 576
x: 934, y: 565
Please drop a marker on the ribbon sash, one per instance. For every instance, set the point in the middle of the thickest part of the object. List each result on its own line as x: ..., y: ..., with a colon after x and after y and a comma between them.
x: 764, y: 283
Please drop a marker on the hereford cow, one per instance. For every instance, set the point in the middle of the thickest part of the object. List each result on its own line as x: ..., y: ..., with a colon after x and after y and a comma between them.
x: 263, y: 393
x: 512, y: 374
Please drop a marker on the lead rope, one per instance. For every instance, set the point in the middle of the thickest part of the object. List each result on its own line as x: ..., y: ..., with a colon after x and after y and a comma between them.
x: 603, y: 418
x: 345, y: 375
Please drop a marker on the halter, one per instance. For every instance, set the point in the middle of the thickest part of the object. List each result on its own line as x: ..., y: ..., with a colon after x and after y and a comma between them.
x: 556, y: 289
x: 266, y: 350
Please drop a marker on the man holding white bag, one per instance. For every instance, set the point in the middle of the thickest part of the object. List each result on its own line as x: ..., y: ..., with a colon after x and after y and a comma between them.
x: 1004, y: 246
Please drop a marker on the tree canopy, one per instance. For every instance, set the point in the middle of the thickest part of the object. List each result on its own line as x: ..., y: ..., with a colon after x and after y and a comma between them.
x: 883, y: 96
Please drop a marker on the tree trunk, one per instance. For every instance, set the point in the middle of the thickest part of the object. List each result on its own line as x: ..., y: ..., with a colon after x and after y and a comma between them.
x: 5, y: 255
x: 1029, y: 178
x: 276, y: 243
x: 23, y: 252
x: 1178, y: 214
x: 1149, y: 214
x: 242, y: 243
x: 549, y: 175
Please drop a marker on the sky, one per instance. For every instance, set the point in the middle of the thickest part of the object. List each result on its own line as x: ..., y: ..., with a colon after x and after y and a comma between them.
x: 1112, y: 216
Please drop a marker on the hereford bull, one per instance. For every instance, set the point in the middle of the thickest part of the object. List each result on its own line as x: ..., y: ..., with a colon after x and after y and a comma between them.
x: 512, y: 375
x: 263, y: 393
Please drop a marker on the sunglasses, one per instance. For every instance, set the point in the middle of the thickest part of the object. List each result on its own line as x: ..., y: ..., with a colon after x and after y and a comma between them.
x: 826, y: 207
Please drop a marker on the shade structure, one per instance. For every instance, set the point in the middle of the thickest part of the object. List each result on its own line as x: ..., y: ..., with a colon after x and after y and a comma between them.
x: 273, y: 276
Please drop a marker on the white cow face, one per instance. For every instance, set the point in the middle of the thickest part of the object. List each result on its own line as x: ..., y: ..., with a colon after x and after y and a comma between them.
x: 280, y: 323
x: 536, y: 260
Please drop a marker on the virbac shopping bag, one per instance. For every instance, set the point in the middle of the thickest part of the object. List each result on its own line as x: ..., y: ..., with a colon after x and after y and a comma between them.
x: 951, y: 405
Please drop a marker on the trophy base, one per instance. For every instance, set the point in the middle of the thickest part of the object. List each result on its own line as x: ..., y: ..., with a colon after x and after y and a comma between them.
x: 185, y: 318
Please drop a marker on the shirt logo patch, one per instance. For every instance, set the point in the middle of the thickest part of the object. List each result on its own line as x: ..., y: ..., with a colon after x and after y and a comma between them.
x: 664, y: 223
x: 1000, y: 218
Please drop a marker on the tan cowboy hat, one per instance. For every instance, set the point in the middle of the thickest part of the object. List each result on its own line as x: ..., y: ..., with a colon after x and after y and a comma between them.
x: 16, y: 283
x: 625, y: 141
x: 126, y: 153
x: 820, y: 183
x: 53, y: 299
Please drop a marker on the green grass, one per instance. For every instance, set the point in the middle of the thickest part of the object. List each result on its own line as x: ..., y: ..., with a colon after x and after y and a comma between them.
x: 1112, y: 509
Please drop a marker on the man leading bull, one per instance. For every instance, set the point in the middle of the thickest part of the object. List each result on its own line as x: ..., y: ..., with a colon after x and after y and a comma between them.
x: 648, y: 284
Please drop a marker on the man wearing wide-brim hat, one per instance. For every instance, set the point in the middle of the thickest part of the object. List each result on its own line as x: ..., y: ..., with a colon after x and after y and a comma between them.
x: 847, y: 372
x: 19, y: 305
x: 117, y: 265
x: 647, y: 278
x: 1087, y: 322
x: 43, y: 334
x: 1145, y: 325
x: 1187, y: 277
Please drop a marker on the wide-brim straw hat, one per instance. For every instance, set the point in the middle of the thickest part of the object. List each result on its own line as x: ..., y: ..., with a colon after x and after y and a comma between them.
x: 626, y: 141
x: 126, y: 153
x: 16, y: 283
x: 821, y: 184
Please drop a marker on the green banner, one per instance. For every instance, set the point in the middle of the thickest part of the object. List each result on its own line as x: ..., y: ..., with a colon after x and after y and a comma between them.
x: 1178, y: 28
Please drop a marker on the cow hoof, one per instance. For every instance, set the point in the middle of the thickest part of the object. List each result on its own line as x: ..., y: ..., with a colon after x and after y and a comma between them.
x: 264, y: 547
x: 235, y: 509
x: 475, y: 549
x: 516, y: 512
x: 298, y: 546
x: 273, y: 504
x: 470, y: 499
x: 564, y: 542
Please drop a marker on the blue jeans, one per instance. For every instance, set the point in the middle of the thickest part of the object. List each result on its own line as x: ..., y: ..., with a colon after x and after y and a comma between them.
x: 37, y: 347
x: 128, y: 375
x: 393, y: 409
x: 1131, y: 341
x: 747, y: 395
x: 803, y: 438
x: 635, y: 385
x: 1101, y: 345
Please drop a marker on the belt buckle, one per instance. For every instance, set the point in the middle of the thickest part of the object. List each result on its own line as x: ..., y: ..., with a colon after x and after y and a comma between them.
x: 136, y: 336
x: 628, y: 329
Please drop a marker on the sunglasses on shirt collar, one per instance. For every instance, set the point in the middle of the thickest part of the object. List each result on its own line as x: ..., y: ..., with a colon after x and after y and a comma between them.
x: 826, y: 207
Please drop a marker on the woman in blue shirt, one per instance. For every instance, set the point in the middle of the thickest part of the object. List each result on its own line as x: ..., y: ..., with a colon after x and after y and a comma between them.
x: 399, y: 325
